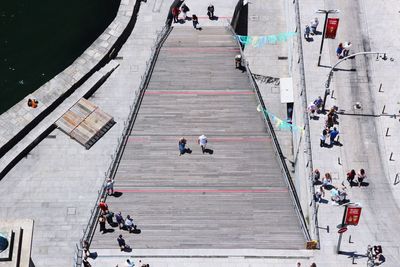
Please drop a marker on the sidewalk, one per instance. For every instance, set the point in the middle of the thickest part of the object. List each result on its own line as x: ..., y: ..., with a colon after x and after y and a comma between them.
x: 362, y: 137
x: 57, y: 183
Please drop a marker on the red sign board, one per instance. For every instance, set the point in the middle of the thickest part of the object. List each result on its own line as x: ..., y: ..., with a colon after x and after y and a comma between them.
x: 331, y: 28
x: 342, y: 230
x: 353, y: 215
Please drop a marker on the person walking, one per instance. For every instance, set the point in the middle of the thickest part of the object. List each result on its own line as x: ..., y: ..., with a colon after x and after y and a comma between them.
x: 238, y: 61
x: 350, y: 177
x: 314, y: 24
x: 110, y: 186
x: 318, y: 102
x: 322, y: 138
x: 129, y: 263
x: 181, y: 145
x: 86, y: 250
x: 311, y: 110
x: 102, y: 223
x: 195, y: 21
x: 313, y: 264
x: 316, y: 175
x: 120, y: 220
x: 210, y: 11
x: 185, y: 9
x: 332, y: 135
x: 339, y: 51
x: 346, y: 48
x: 129, y: 224
x: 202, y: 141
x: 320, y: 194
x: 121, y: 243
x: 175, y: 13
x: 103, y: 205
x: 85, y: 262
x: 361, y: 176
x: 307, y: 32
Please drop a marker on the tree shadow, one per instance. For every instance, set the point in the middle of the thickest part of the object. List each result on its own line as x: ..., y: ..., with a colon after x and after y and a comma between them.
x: 209, y: 151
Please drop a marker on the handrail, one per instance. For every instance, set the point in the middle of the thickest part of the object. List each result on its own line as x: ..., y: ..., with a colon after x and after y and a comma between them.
x: 278, y: 151
x: 122, y: 141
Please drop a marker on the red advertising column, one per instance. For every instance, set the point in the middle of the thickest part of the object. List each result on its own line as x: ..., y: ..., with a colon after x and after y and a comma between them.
x: 331, y: 28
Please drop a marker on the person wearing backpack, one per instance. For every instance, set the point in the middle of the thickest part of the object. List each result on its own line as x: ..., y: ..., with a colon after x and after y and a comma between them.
x: 185, y: 9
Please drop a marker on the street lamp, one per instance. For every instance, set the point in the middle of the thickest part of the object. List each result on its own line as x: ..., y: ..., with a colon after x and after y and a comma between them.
x: 328, y: 81
x: 326, y: 12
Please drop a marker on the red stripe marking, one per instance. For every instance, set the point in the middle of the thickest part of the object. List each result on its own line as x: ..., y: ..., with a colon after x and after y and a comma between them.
x: 199, y: 92
x: 222, y: 139
x: 275, y: 190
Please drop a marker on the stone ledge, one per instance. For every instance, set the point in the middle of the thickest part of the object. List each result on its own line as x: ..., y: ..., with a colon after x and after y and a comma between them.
x: 20, y: 119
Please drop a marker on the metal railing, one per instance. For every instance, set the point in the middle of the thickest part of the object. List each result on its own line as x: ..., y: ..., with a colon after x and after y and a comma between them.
x: 277, y: 148
x: 88, y: 232
x: 307, y: 141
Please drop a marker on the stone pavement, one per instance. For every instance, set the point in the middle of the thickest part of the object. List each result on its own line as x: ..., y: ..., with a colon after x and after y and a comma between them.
x: 57, y: 183
x: 364, y: 143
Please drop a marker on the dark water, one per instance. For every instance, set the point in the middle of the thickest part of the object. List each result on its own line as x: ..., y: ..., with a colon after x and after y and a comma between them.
x: 40, y: 38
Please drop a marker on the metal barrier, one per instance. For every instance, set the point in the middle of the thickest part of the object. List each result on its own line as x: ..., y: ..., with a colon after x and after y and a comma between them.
x: 307, y: 140
x: 88, y: 232
x: 277, y: 148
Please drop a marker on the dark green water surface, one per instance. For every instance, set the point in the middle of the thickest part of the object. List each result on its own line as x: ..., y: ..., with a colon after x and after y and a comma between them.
x: 40, y: 38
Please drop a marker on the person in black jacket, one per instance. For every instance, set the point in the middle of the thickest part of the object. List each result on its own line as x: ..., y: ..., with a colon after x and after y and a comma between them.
x: 210, y: 11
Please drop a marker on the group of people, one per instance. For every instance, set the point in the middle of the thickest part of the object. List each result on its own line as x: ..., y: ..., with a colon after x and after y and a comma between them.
x: 338, y: 195
x: 202, y: 141
x: 343, y: 50
x: 361, y: 176
x: 329, y: 132
x: 184, y: 9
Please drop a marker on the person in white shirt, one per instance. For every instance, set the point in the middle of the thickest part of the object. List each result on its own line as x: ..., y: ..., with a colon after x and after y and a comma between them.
x: 202, y: 141
x: 129, y: 223
x: 314, y: 24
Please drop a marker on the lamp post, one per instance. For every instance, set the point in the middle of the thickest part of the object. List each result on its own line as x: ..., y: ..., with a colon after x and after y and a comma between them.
x: 326, y: 12
x: 328, y: 81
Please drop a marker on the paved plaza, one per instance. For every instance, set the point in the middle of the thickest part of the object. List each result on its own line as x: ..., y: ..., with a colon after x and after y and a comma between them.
x: 253, y: 223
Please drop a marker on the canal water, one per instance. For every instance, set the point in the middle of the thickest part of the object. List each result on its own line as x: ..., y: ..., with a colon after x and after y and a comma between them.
x: 39, y: 39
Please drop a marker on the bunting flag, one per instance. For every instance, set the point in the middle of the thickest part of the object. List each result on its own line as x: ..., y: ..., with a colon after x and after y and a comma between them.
x: 260, y: 41
x: 280, y: 124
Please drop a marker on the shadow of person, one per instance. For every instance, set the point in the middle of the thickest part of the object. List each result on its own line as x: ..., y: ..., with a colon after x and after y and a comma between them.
x: 93, y: 255
x: 364, y: 184
x: 117, y: 194
x: 352, y: 183
x: 318, y: 33
x: 242, y: 68
x: 214, y: 18
x: 109, y: 230
x: 323, y: 201
x: 127, y: 249
x: 315, y: 118
x: 318, y: 182
x: 310, y: 39
x: 187, y: 150
x: 136, y: 231
x: 209, y: 151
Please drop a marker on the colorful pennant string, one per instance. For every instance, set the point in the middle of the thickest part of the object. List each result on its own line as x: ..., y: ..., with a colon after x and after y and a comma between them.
x: 260, y: 41
x: 280, y: 124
